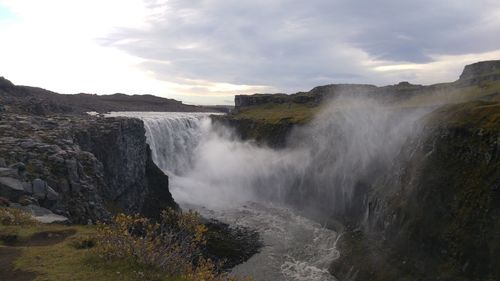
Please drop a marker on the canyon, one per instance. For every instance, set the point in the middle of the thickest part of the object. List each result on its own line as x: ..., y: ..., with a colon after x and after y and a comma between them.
x: 353, y: 182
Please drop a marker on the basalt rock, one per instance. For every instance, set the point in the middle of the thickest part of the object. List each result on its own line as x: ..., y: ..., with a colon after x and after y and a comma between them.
x: 133, y: 182
x: 81, y: 167
x: 480, y: 71
x: 435, y: 217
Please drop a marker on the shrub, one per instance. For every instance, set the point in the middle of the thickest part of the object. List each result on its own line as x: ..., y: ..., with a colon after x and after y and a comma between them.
x: 83, y: 242
x: 172, y: 244
x: 11, y: 216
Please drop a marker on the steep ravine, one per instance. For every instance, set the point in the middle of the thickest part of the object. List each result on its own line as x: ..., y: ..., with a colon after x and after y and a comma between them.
x: 435, y: 217
x: 432, y: 214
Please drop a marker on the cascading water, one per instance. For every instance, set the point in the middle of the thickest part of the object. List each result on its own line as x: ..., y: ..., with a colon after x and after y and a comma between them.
x: 172, y: 137
x: 244, y: 184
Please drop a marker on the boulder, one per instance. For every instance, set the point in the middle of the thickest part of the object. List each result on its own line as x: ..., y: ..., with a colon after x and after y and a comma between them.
x: 39, y: 189
x: 52, y: 195
x: 7, y: 172
x: 28, y: 187
x: 27, y: 200
x: 11, y: 188
x: 20, y: 167
x: 41, y: 214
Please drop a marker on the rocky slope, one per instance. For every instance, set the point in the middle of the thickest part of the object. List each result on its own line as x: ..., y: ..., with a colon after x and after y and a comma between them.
x: 83, y: 168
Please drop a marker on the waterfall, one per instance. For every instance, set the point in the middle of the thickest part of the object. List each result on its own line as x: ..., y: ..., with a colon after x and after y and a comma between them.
x: 172, y: 137
x: 241, y: 183
x: 342, y: 151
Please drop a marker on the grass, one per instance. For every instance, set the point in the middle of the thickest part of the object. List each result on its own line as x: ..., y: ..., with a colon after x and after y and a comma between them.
x: 64, y: 261
x: 276, y: 113
x: 440, y: 94
x: 130, y: 248
x: 476, y: 115
x: 449, y: 93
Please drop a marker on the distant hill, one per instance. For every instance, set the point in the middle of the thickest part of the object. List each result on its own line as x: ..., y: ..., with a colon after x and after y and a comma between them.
x: 478, y: 81
x: 32, y: 100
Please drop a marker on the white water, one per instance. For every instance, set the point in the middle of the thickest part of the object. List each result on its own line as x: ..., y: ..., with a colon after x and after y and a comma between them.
x: 215, y: 174
x: 245, y: 184
x: 295, y: 248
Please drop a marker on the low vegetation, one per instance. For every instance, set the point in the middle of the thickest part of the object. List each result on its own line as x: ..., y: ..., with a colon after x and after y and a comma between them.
x: 129, y: 248
x: 11, y: 216
x: 275, y: 113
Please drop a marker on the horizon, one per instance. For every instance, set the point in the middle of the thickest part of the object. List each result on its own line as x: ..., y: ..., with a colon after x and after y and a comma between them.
x: 257, y: 93
x: 205, y: 52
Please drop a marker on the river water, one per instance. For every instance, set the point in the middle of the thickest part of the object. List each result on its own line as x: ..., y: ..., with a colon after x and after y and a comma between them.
x: 214, y: 173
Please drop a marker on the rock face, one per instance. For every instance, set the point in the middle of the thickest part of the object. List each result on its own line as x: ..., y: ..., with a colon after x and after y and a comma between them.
x: 133, y: 182
x: 271, y: 134
x: 485, y: 70
x: 83, y: 168
x: 436, y: 216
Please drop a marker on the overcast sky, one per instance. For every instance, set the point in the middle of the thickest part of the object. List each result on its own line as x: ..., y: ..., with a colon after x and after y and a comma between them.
x: 205, y: 52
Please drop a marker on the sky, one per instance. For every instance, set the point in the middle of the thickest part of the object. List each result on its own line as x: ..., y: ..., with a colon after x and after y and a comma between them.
x: 206, y: 51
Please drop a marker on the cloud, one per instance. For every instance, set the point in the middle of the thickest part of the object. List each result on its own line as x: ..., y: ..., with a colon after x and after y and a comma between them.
x: 205, y: 51
x: 299, y: 44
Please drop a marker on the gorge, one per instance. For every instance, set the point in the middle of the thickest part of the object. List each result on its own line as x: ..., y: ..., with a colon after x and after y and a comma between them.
x: 345, y: 182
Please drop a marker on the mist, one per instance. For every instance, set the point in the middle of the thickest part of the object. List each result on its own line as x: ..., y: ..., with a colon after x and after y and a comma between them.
x: 342, y: 150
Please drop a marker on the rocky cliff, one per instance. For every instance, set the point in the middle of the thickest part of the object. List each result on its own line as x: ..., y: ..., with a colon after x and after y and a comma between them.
x: 488, y: 70
x: 435, y: 216
x: 84, y: 168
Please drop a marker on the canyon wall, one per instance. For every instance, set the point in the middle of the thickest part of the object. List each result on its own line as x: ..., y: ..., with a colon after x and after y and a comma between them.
x: 93, y: 167
x: 432, y: 213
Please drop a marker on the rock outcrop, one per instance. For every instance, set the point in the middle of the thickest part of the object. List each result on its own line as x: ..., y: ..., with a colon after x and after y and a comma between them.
x: 133, y: 182
x: 81, y: 167
x: 480, y: 71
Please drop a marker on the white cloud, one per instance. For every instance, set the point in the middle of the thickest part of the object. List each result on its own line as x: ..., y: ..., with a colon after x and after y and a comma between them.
x: 207, y: 51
